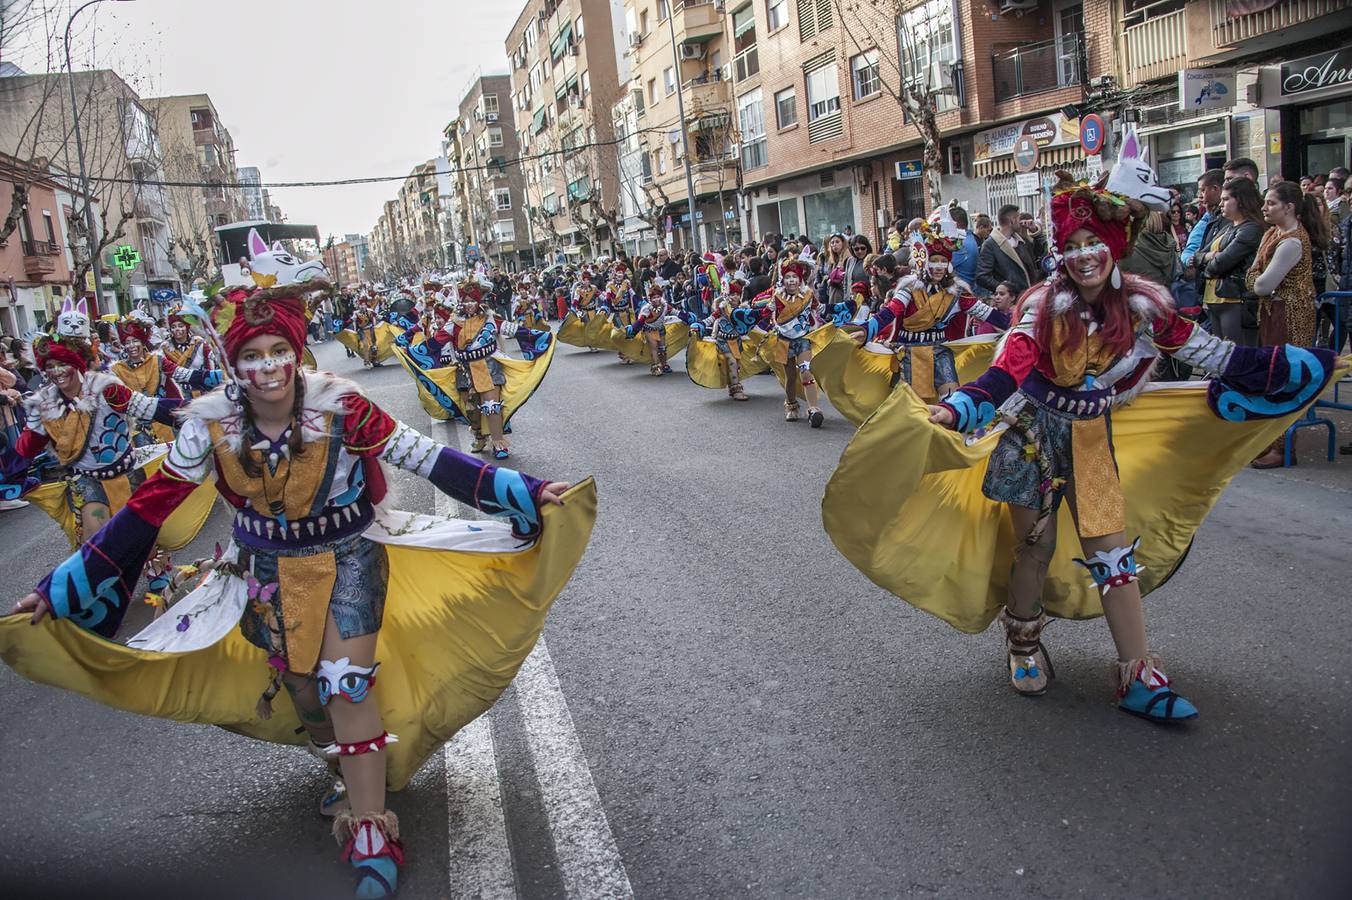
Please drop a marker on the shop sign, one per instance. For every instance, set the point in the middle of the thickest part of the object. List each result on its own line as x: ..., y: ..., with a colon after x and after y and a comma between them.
x: 1093, y: 166
x: 1053, y: 130
x: 1313, y: 73
x: 1206, y: 89
x: 1027, y: 184
x: 908, y: 169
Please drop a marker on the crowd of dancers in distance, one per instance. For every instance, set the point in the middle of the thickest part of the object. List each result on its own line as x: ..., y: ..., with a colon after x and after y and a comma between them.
x: 1012, y: 460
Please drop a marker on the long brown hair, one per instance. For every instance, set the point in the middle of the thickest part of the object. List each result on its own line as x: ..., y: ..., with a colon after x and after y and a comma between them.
x: 294, y: 442
x: 1247, y: 199
x: 1308, y: 212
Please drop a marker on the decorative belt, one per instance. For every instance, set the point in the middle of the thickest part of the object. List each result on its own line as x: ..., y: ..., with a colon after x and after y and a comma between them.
x: 333, y: 524
x: 476, y: 353
x: 103, y: 473
x: 1071, y: 402
x: 919, y: 337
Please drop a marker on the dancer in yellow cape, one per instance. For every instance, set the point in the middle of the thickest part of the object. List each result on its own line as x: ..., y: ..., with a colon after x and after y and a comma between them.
x: 908, y: 504
x: 307, y: 578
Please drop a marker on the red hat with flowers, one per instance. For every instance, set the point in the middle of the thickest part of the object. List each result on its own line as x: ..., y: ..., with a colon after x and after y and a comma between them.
x: 242, y: 315
x: 795, y: 267
x: 70, y: 351
x: 130, y: 329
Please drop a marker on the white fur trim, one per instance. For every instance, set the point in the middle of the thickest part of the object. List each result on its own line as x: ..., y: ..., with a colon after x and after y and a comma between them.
x: 49, y: 404
x: 907, y: 284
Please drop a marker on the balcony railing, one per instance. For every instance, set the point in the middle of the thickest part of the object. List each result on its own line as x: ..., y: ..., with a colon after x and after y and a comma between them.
x: 707, y: 94
x: 1157, y: 47
x: 1228, y: 29
x: 698, y: 20
x: 39, y: 257
x: 1034, y: 68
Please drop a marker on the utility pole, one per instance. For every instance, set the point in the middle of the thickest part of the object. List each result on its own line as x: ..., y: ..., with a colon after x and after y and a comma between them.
x: 96, y: 268
x: 685, y: 132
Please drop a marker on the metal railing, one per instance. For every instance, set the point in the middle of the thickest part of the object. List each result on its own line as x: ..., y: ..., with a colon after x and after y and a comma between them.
x: 1157, y: 47
x: 1043, y: 66
x: 41, y: 248
x: 1227, y: 29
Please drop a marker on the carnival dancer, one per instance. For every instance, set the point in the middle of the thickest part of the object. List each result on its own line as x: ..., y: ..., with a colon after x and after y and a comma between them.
x: 728, y: 329
x: 140, y: 370
x: 651, y: 322
x: 307, y: 579
x: 1084, y: 345
x: 622, y: 302
x: 185, y: 349
x: 87, y: 419
x: 787, y: 313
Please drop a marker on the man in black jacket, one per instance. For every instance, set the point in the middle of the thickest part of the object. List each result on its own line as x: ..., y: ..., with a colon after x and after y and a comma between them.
x: 666, y: 266
x: 1005, y: 256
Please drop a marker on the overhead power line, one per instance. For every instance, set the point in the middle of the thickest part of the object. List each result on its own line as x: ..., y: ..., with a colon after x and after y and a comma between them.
x: 375, y: 179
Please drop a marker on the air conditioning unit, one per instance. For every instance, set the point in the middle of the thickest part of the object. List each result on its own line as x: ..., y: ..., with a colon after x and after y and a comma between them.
x: 941, y: 77
x: 692, y: 51
x: 1018, y: 7
x: 572, y: 49
x: 492, y: 117
x: 635, y: 39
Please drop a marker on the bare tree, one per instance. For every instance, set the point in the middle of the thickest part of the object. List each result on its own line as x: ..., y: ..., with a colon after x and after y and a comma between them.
x: 917, y: 90
x: 190, y: 247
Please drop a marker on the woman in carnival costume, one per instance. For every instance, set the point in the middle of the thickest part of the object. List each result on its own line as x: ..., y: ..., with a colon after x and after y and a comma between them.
x: 87, y: 419
x: 788, y: 314
x: 586, y: 324
x: 306, y: 579
x: 650, y: 326
x: 622, y: 302
x: 916, y: 335
x: 183, y: 348
x: 722, y: 349
x: 461, y: 374
x: 140, y: 369
x: 1083, y: 346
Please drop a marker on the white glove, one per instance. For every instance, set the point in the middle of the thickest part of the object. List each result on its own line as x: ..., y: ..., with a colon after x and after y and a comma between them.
x: 509, y: 329
x: 181, y: 375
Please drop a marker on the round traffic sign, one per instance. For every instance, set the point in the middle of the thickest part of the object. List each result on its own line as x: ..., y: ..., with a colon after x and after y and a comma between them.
x: 1025, y: 153
x: 1091, y: 133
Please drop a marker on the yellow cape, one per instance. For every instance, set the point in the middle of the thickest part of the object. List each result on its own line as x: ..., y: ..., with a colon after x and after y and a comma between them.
x: 858, y: 379
x: 385, y: 335
x: 636, y: 348
x: 707, y: 368
x: 457, y: 627
x: 178, y: 531
x: 523, y: 377
x: 773, y: 350
x: 905, y: 507
x: 572, y: 331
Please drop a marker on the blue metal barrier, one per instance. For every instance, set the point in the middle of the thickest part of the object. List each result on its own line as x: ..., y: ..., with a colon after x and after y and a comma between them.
x: 1310, y: 419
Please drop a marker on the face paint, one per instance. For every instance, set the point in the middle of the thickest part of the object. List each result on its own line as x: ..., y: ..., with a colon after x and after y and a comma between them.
x: 791, y: 283
x: 937, y: 271
x: 1088, y: 263
x: 179, y: 332
x: 268, y: 369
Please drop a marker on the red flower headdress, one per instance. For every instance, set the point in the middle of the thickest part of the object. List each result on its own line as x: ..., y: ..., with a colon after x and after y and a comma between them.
x: 70, y: 351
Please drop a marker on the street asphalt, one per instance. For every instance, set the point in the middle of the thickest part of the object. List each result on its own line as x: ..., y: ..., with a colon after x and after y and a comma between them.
x: 760, y: 720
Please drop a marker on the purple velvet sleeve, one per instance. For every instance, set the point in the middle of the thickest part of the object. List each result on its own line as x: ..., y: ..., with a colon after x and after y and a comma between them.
x: 492, y: 489
x: 94, y: 586
x: 1269, y: 382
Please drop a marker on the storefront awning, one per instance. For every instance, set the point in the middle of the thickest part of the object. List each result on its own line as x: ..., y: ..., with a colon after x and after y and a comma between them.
x: 1050, y: 156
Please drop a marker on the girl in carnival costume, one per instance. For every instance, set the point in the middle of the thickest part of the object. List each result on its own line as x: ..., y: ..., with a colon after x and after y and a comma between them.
x: 140, y: 369
x: 652, y: 324
x: 300, y: 458
x: 733, y: 355
x: 1083, y: 345
x: 622, y: 302
x: 787, y: 313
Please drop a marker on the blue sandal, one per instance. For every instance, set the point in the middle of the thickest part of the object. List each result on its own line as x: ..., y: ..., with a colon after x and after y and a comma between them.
x: 1149, y: 695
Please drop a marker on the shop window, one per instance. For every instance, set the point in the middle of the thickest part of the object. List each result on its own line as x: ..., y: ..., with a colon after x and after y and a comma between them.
x: 780, y: 217
x: 1183, y: 154
x: 828, y: 212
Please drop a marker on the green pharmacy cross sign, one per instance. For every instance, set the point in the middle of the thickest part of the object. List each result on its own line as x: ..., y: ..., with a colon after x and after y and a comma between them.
x: 126, y: 257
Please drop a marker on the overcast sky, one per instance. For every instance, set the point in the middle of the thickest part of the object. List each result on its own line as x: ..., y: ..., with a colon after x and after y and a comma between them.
x: 314, y: 90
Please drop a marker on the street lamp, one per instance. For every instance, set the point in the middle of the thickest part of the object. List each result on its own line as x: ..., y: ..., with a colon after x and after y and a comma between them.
x: 79, y: 150
x: 685, y: 132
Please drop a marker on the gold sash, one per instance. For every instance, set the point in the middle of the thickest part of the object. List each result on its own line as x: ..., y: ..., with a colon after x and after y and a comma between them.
x: 922, y: 371
x: 69, y: 434
x: 305, y: 586
x: 1099, y: 507
x: 144, y: 379
x: 929, y: 307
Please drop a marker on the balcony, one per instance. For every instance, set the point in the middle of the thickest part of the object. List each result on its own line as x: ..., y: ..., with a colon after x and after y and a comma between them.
x: 39, y: 258
x: 1228, y: 30
x: 698, y: 20
x: 706, y: 95
x: 1043, y: 66
x: 1157, y: 47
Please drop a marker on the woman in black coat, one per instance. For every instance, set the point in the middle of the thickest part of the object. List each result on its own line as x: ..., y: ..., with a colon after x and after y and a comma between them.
x: 1229, y: 257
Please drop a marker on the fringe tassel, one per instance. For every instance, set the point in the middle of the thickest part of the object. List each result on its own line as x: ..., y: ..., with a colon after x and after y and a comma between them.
x: 345, y: 825
x: 264, y: 707
x: 1022, y: 632
x: 1127, y: 671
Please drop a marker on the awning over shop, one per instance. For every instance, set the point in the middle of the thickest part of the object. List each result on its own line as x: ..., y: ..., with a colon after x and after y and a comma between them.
x: 1050, y: 156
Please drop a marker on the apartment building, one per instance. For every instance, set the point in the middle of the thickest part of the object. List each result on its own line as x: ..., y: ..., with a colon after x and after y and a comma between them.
x: 121, y: 141
x: 417, y: 222
x: 564, y: 86
x: 341, y: 261
x: 33, y: 258
x: 1267, y: 80
x: 251, y: 192
x: 196, y: 146
x: 490, y: 195
x: 825, y: 141
x: 680, y: 56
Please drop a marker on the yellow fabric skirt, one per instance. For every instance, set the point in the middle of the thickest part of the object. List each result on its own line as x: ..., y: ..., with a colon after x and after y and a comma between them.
x: 858, y: 379
x: 773, y: 350
x: 571, y: 331
x: 178, y: 531
x: 385, y: 335
x: 905, y: 506
x: 523, y: 377
x: 457, y: 627
x: 705, y: 365
x: 637, y: 349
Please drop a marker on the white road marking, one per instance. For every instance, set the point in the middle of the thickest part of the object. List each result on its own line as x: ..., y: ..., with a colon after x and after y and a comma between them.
x: 480, y: 856
x: 589, y: 861
x: 584, y: 846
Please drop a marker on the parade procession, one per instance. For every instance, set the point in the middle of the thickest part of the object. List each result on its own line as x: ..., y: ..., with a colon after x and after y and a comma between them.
x: 681, y: 490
